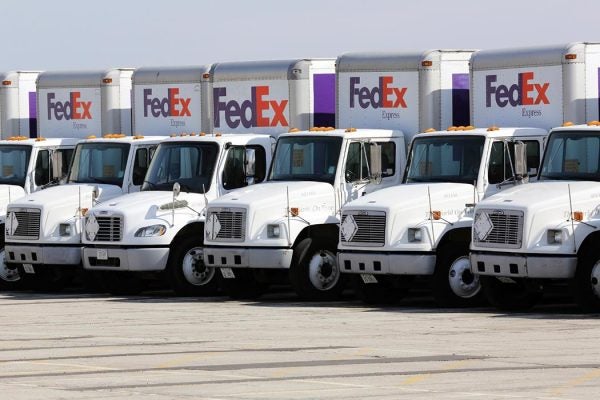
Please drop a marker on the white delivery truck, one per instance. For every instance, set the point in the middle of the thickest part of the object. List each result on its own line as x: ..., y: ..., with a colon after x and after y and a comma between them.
x: 425, y: 224
x: 26, y: 166
x: 18, y: 116
x: 289, y: 225
x: 43, y: 229
x: 249, y: 97
x: 531, y: 238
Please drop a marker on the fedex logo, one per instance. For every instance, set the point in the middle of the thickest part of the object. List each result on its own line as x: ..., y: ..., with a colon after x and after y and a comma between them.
x: 524, y: 92
x: 170, y: 106
x: 70, y: 109
x: 251, y: 113
x: 382, y: 96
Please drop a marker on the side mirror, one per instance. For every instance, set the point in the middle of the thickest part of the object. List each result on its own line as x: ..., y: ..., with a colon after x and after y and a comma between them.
x: 521, y: 160
x: 95, y: 193
x: 176, y: 189
x: 375, y: 163
x: 250, y: 163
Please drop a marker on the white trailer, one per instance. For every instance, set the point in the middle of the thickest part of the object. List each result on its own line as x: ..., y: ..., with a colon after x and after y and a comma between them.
x: 529, y: 238
x: 428, y: 234
x: 290, y: 224
x: 18, y: 115
x: 83, y: 103
x: 272, y: 96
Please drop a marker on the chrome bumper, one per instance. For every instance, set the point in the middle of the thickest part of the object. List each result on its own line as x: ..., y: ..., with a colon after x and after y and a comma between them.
x: 132, y: 259
x: 50, y: 255
x: 248, y: 257
x: 387, y: 263
x: 526, y: 266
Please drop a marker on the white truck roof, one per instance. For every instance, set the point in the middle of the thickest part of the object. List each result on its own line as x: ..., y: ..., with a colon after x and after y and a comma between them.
x: 233, y: 138
x: 91, y: 78
x: 41, y: 142
x: 296, y: 69
x: 352, y: 133
x: 158, y: 75
x: 124, y: 139
x: 493, y: 132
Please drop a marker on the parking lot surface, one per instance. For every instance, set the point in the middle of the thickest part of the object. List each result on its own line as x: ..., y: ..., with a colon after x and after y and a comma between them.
x: 77, y: 346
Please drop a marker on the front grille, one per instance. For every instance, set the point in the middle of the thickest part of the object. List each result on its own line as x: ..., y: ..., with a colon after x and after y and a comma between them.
x: 231, y: 222
x: 506, y: 231
x: 365, y: 228
x: 110, y: 229
x: 28, y: 223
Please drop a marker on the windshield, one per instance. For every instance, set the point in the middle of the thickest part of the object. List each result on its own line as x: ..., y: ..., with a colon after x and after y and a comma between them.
x: 445, y: 159
x: 572, y: 155
x: 303, y: 158
x: 99, y: 163
x: 189, y: 164
x: 13, y: 164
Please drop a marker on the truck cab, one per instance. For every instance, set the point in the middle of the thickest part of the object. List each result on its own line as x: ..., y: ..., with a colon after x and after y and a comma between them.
x: 27, y: 166
x: 531, y: 238
x: 422, y: 227
x: 289, y: 224
x: 161, y: 228
x: 43, y: 229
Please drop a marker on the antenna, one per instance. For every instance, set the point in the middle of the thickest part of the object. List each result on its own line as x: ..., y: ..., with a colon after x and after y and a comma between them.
x: 431, y: 216
x: 287, y: 192
x: 571, y: 218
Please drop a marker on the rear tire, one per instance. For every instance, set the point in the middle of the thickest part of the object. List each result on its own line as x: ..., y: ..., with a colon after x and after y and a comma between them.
x: 315, y: 273
x: 244, y: 286
x: 514, y: 296
x: 586, y: 283
x: 453, y: 284
x: 186, y: 271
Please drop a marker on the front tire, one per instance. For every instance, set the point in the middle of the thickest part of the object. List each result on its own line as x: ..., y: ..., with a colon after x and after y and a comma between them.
x: 315, y: 273
x: 187, y: 273
x: 454, y: 285
x: 587, y: 283
x: 516, y: 295
x: 10, y: 277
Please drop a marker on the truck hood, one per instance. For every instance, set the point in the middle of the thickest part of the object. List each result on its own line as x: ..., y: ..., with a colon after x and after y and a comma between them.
x: 67, y: 196
x: 9, y: 193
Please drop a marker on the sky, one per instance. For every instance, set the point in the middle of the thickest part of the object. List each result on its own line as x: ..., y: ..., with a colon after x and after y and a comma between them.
x: 69, y: 34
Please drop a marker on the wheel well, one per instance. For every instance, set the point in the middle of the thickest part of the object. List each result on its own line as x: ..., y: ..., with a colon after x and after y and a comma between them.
x: 590, y: 242
x: 195, y: 228
x: 328, y: 233
x: 458, y: 236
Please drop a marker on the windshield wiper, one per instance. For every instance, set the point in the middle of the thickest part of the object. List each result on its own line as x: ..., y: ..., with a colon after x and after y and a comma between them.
x: 100, y: 180
x: 151, y: 184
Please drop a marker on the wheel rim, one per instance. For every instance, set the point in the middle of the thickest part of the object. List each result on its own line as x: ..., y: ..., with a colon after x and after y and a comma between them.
x: 462, y: 281
x: 323, y: 270
x: 194, y: 269
x: 8, y: 274
x: 595, y: 280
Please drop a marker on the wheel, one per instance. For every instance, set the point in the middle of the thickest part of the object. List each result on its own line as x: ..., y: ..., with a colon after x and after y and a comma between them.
x: 315, y: 273
x: 243, y: 286
x: 186, y: 271
x: 453, y: 284
x: 586, y: 283
x: 48, y: 278
x: 10, y: 277
x: 510, y: 294
x: 121, y: 283
x: 386, y: 291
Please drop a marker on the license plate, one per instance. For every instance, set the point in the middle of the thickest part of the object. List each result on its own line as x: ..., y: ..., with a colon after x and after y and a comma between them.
x: 227, y: 273
x: 102, y: 254
x: 368, y: 278
x: 29, y: 268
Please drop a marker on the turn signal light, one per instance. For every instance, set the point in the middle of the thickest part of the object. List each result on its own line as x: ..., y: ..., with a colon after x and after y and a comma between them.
x: 578, y: 215
x: 294, y: 211
x: 436, y: 215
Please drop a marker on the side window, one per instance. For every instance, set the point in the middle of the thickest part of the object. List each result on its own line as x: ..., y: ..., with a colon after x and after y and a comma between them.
x: 61, y: 161
x: 359, y: 158
x: 260, y: 163
x: 42, y: 168
x: 140, y: 166
x: 499, y: 168
x: 233, y: 172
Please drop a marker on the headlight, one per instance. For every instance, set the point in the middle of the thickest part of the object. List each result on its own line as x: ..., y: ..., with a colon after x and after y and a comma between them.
x: 415, y: 234
x: 554, y: 236
x: 152, y: 230
x: 273, y: 230
x: 64, y: 229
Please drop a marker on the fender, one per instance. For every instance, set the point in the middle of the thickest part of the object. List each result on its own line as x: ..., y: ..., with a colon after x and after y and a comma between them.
x: 459, y: 236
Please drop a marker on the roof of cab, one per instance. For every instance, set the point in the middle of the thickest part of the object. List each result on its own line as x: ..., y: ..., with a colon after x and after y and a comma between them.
x: 353, y: 133
x: 39, y: 142
x: 491, y: 132
x: 234, y: 138
x: 125, y: 139
x: 590, y: 126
